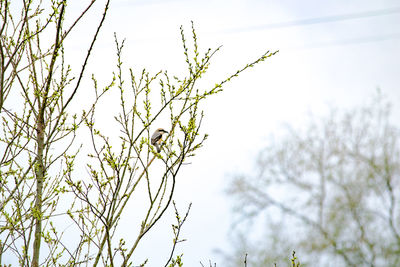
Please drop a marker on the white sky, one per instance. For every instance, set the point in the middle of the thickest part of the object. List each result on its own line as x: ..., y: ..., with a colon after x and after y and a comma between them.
x: 338, y: 63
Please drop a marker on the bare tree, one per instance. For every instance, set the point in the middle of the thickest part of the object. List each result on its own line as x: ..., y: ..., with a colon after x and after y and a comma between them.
x: 329, y: 191
x: 36, y: 119
x: 41, y: 189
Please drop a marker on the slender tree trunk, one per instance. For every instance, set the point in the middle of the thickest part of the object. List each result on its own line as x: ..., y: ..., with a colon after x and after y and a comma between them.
x: 2, y: 87
x: 39, y: 173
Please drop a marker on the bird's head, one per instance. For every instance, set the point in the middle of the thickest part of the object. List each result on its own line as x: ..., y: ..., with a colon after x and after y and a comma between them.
x: 161, y: 130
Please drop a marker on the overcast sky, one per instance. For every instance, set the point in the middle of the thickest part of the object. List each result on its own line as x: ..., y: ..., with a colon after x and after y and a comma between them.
x: 332, y: 53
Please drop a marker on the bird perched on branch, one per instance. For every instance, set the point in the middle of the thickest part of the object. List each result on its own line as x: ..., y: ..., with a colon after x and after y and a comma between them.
x: 156, y: 138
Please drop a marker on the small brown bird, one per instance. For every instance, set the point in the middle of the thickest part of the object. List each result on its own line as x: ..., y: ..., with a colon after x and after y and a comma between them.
x: 156, y: 138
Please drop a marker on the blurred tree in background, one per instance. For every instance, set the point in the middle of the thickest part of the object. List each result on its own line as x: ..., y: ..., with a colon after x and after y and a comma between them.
x: 53, y: 213
x: 330, y: 191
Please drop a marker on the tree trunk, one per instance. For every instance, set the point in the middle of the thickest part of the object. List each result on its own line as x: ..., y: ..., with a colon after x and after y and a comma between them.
x: 39, y: 173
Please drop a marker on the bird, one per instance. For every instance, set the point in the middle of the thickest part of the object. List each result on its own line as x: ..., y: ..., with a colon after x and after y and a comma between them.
x: 156, y: 138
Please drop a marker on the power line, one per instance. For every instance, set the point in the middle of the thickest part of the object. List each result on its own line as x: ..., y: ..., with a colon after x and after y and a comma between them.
x: 318, y: 20
x: 351, y: 41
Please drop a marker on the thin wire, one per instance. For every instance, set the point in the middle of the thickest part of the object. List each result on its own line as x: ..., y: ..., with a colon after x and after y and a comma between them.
x: 318, y: 20
x: 352, y: 41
